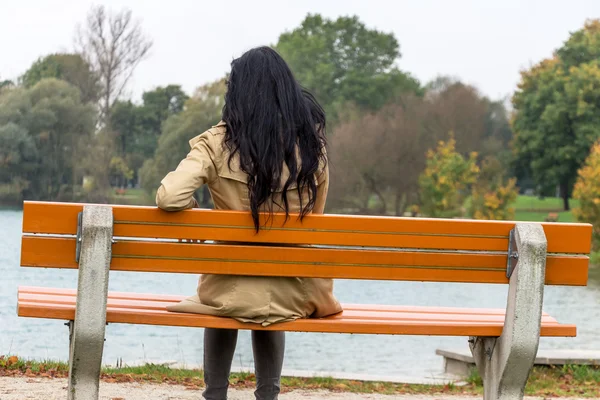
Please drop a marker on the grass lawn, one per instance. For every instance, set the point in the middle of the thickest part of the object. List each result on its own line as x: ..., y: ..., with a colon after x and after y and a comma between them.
x: 133, y: 197
x: 564, y: 216
x: 547, y: 204
x: 533, y: 208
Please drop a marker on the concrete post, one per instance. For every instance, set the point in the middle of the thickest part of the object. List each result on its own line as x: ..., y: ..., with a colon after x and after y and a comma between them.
x: 505, y: 362
x: 87, y: 331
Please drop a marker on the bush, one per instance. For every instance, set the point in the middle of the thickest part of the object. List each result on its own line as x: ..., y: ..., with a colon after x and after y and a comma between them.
x: 492, y: 196
x: 446, y: 177
x: 12, y: 193
x: 587, y: 191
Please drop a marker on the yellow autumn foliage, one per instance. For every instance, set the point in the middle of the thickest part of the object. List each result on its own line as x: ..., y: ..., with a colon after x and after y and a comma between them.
x: 444, y: 182
x: 587, y: 191
x: 492, y: 197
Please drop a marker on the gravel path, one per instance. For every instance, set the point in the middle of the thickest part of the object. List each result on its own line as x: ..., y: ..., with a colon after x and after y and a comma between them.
x: 56, y: 389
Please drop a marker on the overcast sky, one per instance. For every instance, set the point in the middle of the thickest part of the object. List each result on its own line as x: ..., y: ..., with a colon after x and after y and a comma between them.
x: 483, y: 42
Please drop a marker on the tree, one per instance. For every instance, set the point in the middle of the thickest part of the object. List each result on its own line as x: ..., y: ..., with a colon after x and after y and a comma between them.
x: 498, y: 135
x: 400, y: 133
x: 446, y: 177
x: 119, y: 172
x: 453, y: 106
x: 492, y: 195
x: 582, y: 46
x: 44, y: 128
x: 138, y: 127
x: 68, y: 67
x: 587, y: 191
x: 114, y: 44
x: 201, y: 111
x: 95, y: 167
x: 379, y: 154
x: 557, y: 112
x: 5, y: 83
x: 343, y: 61
x: 18, y: 155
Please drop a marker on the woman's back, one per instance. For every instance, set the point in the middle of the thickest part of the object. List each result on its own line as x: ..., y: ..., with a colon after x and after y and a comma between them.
x: 263, y: 300
x: 227, y: 182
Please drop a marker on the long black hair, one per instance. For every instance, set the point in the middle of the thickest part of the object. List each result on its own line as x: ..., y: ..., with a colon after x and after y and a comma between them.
x: 272, y: 120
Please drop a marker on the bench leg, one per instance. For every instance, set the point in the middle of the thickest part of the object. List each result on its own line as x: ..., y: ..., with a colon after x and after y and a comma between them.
x: 86, y: 334
x: 505, y: 362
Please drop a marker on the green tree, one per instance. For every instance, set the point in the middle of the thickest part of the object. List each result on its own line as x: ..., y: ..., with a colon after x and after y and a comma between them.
x: 498, y: 134
x: 45, y: 126
x: 95, y: 167
x: 557, y: 112
x: 342, y: 61
x: 5, y: 83
x: 18, y: 157
x: 201, y: 111
x: 138, y: 127
x: 68, y: 67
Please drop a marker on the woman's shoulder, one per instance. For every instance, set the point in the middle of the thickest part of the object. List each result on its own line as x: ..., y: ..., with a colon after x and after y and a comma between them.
x: 212, y: 135
x: 218, y: 129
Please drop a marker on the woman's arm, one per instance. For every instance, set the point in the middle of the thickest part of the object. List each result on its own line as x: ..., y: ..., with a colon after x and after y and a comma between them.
x: 322, y: 189
x: 198, y: 168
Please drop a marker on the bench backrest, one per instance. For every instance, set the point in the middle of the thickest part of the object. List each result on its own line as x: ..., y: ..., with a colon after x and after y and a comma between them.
x: 340, y: 246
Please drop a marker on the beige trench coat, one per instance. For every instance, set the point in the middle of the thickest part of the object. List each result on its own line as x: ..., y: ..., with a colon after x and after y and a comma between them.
x: 261, y: 300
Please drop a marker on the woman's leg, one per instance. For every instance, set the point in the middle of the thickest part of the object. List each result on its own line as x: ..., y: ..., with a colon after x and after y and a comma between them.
x: 219, y: 346
x: 268, y: 348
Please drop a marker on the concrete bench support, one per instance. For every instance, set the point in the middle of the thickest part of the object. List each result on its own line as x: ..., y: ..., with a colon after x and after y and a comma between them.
x: 87, y: 331
x: 504, y: 363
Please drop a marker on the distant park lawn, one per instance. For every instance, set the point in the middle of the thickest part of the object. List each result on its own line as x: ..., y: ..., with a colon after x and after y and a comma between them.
x: 532, y: 208
x: 132, y: 196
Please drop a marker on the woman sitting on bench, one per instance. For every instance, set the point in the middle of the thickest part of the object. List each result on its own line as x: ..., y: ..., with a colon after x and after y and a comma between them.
x: 266, y: 155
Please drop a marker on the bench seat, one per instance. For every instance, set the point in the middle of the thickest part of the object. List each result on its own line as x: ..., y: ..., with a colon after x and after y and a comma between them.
x: 150, y: 309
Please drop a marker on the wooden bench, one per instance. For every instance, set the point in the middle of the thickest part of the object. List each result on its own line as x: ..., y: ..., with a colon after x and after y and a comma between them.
x: 94, y: 239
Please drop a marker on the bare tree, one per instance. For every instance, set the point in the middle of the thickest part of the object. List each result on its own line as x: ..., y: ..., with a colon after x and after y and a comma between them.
x: 453, y: 106
x: 114, y: 45
x: 380, y: 154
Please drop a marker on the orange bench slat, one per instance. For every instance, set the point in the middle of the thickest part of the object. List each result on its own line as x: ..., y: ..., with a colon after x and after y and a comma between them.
x: 59, y: 252
x: 348, y: 313
x: 36, y: 302
x: 171, y: 298
x: 149, y: 222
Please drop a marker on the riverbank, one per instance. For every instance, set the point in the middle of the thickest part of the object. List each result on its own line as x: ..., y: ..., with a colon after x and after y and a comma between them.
x: 152, y: 380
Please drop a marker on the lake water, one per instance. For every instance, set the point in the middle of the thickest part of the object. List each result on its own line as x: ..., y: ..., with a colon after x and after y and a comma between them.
x: 410, y: 356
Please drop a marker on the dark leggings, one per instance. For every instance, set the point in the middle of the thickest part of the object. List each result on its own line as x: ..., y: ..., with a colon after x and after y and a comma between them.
x: 219, y: 345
